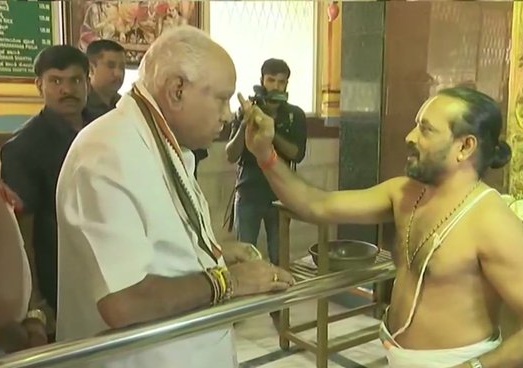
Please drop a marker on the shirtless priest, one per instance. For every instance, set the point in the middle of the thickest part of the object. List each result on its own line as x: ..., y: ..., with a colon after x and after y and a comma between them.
x: 460, y: 249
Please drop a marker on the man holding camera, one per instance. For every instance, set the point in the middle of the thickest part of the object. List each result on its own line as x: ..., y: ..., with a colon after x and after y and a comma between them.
x: 254, y: 196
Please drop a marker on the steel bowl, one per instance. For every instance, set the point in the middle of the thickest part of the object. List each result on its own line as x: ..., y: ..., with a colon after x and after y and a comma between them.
x: 348, y: 255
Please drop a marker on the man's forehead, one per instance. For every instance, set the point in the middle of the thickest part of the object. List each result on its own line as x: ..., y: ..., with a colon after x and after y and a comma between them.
x: 110, y: 54
x: 70, y: 71
x: 423, y: 109
x: 280, y: 76
x: 218, y: 59
x: 219, y: 81
x: 443, y: 107
x: 222, y: 67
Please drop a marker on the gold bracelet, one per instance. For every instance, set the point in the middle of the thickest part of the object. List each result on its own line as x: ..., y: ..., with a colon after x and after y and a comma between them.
x: 230, y: 288
x: 218, y: 276
x: 37, y: 314
x: 475, y: 363
x: 221, y: 281
x: 217, y: 292
x: 225, y: 282
x: 214, y: 289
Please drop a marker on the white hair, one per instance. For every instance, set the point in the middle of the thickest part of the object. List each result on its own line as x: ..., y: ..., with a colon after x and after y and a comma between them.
x: 178, y: 52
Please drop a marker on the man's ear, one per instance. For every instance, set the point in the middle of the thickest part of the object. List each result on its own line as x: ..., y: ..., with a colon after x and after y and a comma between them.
x: 92, y: 66
x: 38, y: 84
x: 468, y: 147
x: 175, y: 89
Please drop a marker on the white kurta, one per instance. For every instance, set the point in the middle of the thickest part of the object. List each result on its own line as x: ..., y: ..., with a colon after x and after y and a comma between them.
x: 15, y: 278
x: 119, y: 220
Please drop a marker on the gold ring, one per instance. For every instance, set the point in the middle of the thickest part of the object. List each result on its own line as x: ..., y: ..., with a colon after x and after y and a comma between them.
x: 275, y: 278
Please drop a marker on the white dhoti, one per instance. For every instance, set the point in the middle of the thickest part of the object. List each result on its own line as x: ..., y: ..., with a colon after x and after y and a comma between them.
x: 440, y: 358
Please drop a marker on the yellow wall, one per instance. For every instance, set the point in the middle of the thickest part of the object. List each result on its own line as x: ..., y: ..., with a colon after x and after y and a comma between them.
x: 19, y: 99
x: 19, y: 108
x: 515, y: 104
x: 18, y: 90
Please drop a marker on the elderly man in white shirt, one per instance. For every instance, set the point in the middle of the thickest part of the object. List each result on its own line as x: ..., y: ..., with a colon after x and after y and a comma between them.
x: 135, y: 242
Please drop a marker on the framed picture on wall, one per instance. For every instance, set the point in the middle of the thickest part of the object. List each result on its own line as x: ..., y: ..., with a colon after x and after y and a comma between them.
x: 133, y: 24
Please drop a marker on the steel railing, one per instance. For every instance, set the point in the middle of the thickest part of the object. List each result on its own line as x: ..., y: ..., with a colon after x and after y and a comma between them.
x: 61, y: 354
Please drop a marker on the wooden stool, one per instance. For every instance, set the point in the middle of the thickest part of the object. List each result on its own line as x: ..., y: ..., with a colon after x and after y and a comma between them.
x: 301, y: 270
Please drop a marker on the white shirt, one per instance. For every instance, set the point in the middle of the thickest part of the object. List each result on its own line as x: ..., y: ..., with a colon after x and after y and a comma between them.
x: 118, y: 220
x: 15, y: 277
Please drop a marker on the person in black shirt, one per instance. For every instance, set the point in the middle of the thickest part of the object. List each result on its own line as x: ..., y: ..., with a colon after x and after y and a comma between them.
x: 107, y: 72
x: 199, y: 155
x: 254, y: 196
x: 32, y: 159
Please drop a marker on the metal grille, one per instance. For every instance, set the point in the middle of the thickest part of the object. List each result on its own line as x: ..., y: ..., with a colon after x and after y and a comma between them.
x: 472, y: 51
x: 494, y: 52
x: 253, y: 31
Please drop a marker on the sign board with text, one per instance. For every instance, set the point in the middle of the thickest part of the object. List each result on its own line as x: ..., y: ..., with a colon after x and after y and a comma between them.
x: 25, y: 29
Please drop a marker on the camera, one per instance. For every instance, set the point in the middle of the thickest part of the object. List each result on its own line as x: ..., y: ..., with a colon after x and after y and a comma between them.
x: 262, y: 96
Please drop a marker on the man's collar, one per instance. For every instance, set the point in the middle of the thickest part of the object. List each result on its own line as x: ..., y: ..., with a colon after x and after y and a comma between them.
x: 95, y: 100
x: 59, y: 122
x: 145, y: 93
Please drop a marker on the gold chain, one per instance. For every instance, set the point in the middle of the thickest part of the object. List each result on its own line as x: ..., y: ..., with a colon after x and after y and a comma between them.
x: 410, y: 259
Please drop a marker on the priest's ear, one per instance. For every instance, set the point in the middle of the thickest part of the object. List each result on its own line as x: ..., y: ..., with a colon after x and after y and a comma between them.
x: 469, y: 145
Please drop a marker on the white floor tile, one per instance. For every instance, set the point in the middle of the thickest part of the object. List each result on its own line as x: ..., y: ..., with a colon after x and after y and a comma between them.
x: 370, y: 355
x: 248, y: 350
x: 257, y: 337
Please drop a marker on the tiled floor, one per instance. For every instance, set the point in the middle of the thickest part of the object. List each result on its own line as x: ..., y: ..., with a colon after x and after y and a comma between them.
x: 257, y: 342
